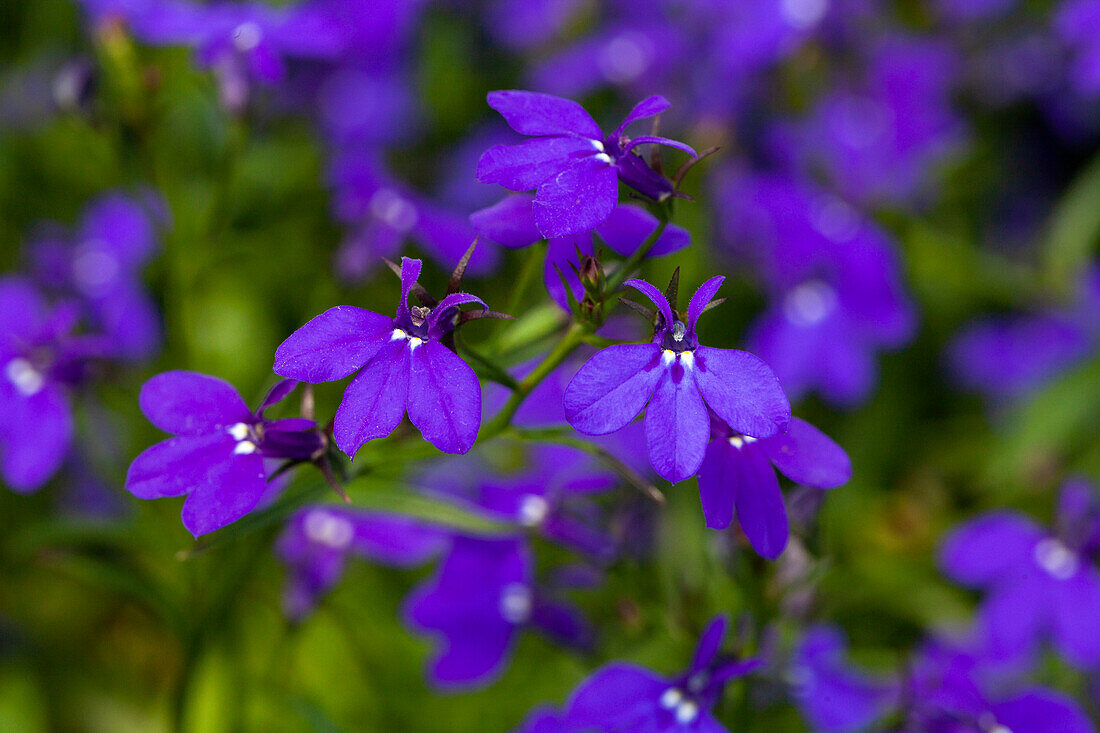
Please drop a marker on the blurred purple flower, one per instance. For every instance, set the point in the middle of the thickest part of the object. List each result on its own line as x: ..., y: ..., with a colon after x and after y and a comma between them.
x: 318, y: 540
x: 402, y: 364
x: 837, y: 295
x: 217, y: 456
x: 241, y: 42
x: 39, y: 359
x: 100, y: 263
x: 511, y: 223
x: 523, y: 24
x: 481, y: 597
x: 834, y: 697
x: 737, y: 472
x: 625, y: 697
x: 974, y: 10
x: 543, y: 720
x: 1039, y: 584
x: 385, y: 213
x: 573, y: 166
x: 679, y: 374
x: 365, y: 108
x: 1075, y: 23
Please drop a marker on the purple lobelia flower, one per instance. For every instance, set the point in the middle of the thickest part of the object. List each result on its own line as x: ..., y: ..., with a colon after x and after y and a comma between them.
x: 318, y: 540
x: 683, y: 378
x: 1040, y: 584
x: 573, y: 167
x: 511, y: 223
x: 832, y: 696
x: 217, y: 456
x: 946, y: 692
x: 480, y: 599
x: 403, y: 366
x: 38, y: 360
x: 625, y: 697
x: 385, y: 213
x: 240, y: 41
x: 737, y: 472
x: 100, y: 263
x: 544, y: 720
x: 837, y: 295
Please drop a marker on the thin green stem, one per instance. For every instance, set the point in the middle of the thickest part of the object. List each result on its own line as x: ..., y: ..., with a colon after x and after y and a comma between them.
x: 536, y: 255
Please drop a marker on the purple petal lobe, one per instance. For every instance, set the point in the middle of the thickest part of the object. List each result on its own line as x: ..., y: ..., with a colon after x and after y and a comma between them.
x: 447, y: 309
x: 760, y: 507
x: 655, y: 140
x: 176, y: 466
x: 656, y: 296
x: 189, y: 403
x: 410, y: 273
x: 1042, y: 710
x: 984, y: 549
x: 807, y: 456
x: 577, y: 199
x: 374, y: 402
x: 444, y: 399
x: 676, y: 426
x: 35, y: 435
x: 742, y: 390
x: 716, y: 483
x: 277, y: 394
x: 524, y: 166
x: 648, y: 107
x: 1077, y: 618
x: 509, y: 223
x: 1016, y: 614
x: 612, y: 388
x: 710, y: 642
x: 228, y: 491
x: 700, y: 299
x: 532, y: 113
x: 617, y: 697
x: 629, y: 225
x: 332, y: 345
x: 21, y: 308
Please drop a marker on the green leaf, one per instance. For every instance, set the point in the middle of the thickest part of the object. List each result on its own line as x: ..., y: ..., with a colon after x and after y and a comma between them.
x: 1074, y: 229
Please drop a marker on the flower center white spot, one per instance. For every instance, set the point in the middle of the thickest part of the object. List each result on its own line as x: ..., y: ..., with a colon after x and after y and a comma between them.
x: 804, y: 14
x: 414, y: 341
x: 598, y: 146
x: 1057, y: 559
x: 603, y: 158
x: 238, y: 431
x: 686, y: 358
x: 94, y: 268
x: 393, y: 209
x: 697, y: 682
x: 739, y: 441
x: 687, y: 712
x: 834, y: 218
x: 671, y: 698
x: 515, y: 603
x: 810, y: 303
x: 399, y: 334
x: 247, y: 36
x: 28, y: 380
x: 329, y: 530
x: 533, y: 510
x: 244, y: 448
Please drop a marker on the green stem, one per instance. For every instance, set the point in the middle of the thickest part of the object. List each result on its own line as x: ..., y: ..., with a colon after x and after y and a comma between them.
x: 536, y: 255
x: 632, y: 262
x: 573, y: 338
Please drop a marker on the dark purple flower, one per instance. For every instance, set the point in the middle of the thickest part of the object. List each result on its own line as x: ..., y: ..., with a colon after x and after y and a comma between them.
x: 837, y: 295
x: 100, y: 263
x: 947, y: 694
x: 679, y: 374
x: 1040, y: 584
x: 571, y: 164
x: 543, y: 720
x: 217, y: 456
x: 403, y: 367
x: 38, y: 358
x: 625, y: 697
x: 480, y: 599
x: 511, y: 223
x: 737, y: 472
x: 834, y: 697
x: 386, y: 213
x: 317, y: 541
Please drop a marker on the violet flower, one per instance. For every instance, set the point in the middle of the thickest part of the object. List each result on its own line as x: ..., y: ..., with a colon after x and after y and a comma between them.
x: 1039, y: 584
x: 318, y: 540
x: 678, y: 374
x: 480, y: 599
x: 571, y: 164
x: 737, y: 472
x: 100, y: 263
x: 946, y: 693
x: 217, y: 456
x: 1075, y: 23
x: 832, y: 696
x: 403, y: 367
x: 625, y: 697
x: 38, y: 360
x: 511, y: 223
